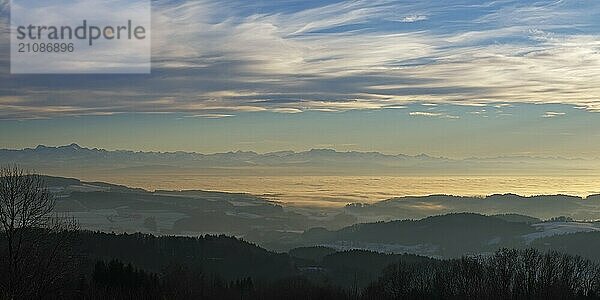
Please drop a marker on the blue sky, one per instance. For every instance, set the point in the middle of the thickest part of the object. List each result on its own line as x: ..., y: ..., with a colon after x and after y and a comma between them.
x: 452, y: 78
x: 527, y: 130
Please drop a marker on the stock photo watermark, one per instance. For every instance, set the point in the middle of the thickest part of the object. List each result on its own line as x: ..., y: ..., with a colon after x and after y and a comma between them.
x: 80, y: 36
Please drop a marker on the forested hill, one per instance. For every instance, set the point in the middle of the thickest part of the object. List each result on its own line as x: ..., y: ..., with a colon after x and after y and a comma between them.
x: 219, y: 267
x: 449, y: 235
x: 227, y: 256
x: 128, y: 266
x: 586, y: 244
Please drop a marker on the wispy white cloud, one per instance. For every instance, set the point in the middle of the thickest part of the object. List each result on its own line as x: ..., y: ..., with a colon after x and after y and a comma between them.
x: 287, y: 110
x: 424, y: 114
x: 552, y: 114
x: 413, y: 18
x: 211, y: 116
x: 214, y: 56
x: 432, y: 114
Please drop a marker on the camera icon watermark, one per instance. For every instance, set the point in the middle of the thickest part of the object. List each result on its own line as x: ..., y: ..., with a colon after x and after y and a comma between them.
x: 80, y: 36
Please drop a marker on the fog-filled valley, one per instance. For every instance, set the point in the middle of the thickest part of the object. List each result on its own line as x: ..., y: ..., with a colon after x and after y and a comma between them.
x: 189, y: 244
x: 464, y: 225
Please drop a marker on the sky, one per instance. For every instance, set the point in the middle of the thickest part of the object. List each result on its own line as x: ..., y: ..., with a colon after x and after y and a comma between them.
x: 456, y: 78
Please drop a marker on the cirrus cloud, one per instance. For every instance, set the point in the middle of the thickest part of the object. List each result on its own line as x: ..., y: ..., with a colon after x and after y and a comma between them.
x: 216, y: 58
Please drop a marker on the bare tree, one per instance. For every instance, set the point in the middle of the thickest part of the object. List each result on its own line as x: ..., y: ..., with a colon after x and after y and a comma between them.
x: 35, y: 241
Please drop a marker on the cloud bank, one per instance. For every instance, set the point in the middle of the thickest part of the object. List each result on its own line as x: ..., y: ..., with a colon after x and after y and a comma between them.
x: 215, y: 58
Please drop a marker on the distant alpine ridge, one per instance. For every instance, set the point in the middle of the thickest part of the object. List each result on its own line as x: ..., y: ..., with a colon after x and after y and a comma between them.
x: 313, y: 162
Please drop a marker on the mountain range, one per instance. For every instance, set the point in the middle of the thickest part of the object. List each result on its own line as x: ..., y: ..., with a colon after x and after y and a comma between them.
x: 312, y: 162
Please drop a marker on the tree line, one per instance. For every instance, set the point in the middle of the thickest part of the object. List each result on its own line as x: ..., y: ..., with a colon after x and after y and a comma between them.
x: 506, y: 274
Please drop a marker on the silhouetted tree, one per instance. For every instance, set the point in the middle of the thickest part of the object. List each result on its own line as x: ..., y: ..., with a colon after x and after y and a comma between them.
x: 34, y: 241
